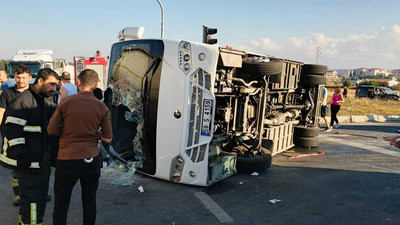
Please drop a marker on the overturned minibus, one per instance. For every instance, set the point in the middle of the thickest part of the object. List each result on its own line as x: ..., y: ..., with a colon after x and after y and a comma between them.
x: 196, y: 113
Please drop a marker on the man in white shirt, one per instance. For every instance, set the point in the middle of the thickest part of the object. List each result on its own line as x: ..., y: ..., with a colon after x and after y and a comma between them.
x: 325, y: 109
x: 4, y: 81
x: 67, y: 88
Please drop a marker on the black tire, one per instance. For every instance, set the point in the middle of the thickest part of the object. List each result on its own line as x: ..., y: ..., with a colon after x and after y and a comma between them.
x: 300, y: 131
x: 305, y: 141
x: 257, y: 163
x: 257, y: 70
x: 314, y: 69
x: 312, y: 79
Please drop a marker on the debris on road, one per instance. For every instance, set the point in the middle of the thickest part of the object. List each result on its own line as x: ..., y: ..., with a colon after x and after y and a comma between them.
x: 255, y: 174
x: 140, y: 188
x: 273, y: 201
x: 307, y: 155
x: 122, y: 174
x: 359, y: 135
x: 241, y: 182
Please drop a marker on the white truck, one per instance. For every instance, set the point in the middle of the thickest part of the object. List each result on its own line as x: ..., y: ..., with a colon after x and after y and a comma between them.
x: 37, y: 59
x: 195, y: 113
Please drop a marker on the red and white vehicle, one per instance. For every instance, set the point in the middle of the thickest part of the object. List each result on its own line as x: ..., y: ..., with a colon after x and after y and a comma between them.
x: 96, y: 63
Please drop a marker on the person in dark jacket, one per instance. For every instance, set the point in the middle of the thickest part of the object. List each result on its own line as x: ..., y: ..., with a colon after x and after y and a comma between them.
x: 22, y: 76
x: 27, y: 148
x: 345, y: 92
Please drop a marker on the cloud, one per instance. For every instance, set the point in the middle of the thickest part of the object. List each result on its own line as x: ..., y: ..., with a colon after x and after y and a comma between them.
x: 264, y: 44
x: 379, y: 50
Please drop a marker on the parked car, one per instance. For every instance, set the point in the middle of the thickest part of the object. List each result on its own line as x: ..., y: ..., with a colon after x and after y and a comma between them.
x: 370, y: 91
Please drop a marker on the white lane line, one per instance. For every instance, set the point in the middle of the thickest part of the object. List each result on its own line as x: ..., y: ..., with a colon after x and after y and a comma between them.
x: 375, y: 167
x: 363, y: 146
x: 214, y: 208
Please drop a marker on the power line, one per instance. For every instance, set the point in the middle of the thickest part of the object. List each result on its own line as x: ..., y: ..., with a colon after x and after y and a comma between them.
x: 318, y: 53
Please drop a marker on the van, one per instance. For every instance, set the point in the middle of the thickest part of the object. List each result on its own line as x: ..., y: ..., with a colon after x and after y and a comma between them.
x: 370, y: 91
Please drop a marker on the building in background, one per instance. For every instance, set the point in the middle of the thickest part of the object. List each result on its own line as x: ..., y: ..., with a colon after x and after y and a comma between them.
x: 370, y: 72
x: 391, y: 82
x: 344, y: 73
x: 396, y: 73
x: 332, y: 74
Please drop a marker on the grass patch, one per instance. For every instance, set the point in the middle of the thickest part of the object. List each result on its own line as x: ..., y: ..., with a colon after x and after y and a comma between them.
x: 365, y: 106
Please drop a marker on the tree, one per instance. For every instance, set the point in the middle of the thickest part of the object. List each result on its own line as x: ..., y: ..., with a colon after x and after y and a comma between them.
x: 383, y: 84
x: 346, y: 82
x: 3, y: 64
x: 373, y: 83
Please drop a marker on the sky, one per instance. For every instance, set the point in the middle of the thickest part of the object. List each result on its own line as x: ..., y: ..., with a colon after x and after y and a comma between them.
x: 350, y: 33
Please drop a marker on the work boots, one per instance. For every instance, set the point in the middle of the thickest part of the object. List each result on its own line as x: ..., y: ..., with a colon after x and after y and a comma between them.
x: 16, y: 200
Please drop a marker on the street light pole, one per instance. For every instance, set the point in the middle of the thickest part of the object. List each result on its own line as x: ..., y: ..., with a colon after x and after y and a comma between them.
x: 162, y: 19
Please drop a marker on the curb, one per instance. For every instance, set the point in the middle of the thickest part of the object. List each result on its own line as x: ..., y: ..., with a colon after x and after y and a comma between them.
x: 362, y: 119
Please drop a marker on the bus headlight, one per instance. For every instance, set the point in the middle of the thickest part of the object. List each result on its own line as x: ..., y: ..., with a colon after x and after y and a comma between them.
x: 177, y: 165
x: 202, y: 56
x: 185, y: 58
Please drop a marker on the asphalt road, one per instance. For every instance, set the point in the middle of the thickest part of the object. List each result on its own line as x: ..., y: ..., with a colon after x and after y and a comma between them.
x: 357, y: 181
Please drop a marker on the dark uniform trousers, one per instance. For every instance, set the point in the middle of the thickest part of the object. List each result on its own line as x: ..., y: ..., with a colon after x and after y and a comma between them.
x: 34, y: 186
x: 14, y: 181
x: 68, y: 172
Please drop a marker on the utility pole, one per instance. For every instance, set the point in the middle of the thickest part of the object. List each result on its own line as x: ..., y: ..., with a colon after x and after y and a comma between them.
x: 162, y: 19
x: 318, y: 53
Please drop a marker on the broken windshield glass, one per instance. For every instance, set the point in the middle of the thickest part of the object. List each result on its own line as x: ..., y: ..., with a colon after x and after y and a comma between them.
x: 127, y: 90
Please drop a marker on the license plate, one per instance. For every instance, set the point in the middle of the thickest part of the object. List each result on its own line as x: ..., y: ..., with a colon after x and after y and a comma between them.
x: 207, y: 117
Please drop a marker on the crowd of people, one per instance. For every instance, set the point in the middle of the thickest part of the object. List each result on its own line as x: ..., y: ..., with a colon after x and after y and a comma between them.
x: 42, y: 127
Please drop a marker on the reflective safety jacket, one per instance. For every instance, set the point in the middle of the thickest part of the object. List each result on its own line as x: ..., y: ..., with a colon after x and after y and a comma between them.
x: 26, y: 144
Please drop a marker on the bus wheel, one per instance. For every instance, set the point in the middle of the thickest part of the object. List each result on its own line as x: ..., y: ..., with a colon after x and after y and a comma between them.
x: 253, y: 163
x: 257, y: 70
x: 314, y: 69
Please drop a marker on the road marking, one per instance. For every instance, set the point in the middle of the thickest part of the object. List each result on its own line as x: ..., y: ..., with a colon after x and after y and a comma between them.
x: 375, y: 167
x: 214, y: 208
x: 363, y: 146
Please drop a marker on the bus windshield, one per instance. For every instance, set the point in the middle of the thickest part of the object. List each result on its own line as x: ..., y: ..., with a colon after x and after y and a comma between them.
x: 134, y: 80
x: 35, y: 67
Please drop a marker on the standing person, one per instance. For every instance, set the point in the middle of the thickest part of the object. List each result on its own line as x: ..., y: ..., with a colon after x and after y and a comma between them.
x: 67, y: 88
x: 77, y: 120
x: 4, y: 81
x: 3, y: 76
x: 98, y: 93
x: 26, y: 147
x: 22, y: 76
x: 324, y: 108
x: 345, y: 92
x: 337, y: 100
